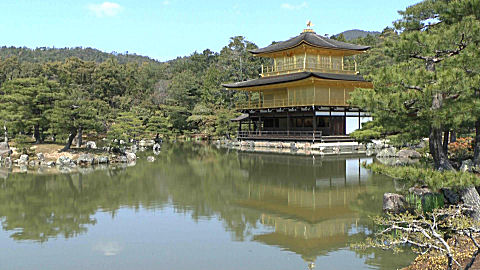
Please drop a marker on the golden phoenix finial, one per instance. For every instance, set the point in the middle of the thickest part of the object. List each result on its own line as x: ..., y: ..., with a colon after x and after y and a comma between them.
x: 309, y: 24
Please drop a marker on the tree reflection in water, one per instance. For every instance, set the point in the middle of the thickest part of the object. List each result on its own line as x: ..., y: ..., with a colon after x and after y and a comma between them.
x: 310, y: 206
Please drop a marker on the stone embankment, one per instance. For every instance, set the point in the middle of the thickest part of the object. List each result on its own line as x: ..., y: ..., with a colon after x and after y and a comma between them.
x: 381, y: 149
x: 300, y: 148
x: 50, y: 160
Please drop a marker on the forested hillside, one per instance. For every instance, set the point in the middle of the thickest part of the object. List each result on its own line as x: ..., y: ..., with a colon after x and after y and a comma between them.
x: 59, y: 93
x: 45, y: 54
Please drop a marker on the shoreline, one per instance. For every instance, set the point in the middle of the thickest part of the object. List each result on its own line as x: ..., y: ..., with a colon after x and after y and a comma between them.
x: 295, y: 148
x: 45, y: 159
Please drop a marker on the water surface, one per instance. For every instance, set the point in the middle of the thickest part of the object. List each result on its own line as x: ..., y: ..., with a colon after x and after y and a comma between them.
x: 197, y: 207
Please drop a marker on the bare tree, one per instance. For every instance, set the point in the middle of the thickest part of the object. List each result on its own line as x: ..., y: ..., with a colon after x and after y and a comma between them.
x: 426, y: 232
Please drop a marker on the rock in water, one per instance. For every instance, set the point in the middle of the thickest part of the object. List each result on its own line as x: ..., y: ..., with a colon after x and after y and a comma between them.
x: 64, y: 161
x: 157, y: 147
x: 420, y: 191
x: 131, y: 157
x: 85, y: 160
x: 23, y: 160
x: 406, y: 153
x: 41, y: 157
x: 394, y: 203
x: 150, y: 159
x: 388, y: 152
x: 91, y: 145
x: 103, y: 159
x: 50, y: 163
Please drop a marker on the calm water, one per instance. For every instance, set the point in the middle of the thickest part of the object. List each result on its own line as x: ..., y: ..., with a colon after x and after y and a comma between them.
x: 196, y: 207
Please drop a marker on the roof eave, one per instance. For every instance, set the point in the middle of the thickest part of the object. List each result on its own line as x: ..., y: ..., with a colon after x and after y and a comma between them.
x: 257, y: 53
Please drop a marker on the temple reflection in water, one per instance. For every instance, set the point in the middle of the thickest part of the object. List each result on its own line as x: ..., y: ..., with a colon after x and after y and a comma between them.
x: 310, y: 215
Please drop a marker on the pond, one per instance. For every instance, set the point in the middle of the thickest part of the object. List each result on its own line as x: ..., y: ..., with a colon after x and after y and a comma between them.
x: 197, y: 207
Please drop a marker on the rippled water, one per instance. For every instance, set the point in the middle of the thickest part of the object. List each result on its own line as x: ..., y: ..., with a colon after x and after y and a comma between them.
x: 197, y: 207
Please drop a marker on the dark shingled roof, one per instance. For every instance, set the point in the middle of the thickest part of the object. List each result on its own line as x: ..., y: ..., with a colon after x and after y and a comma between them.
x: 313, y: 39
x: 294, y: 77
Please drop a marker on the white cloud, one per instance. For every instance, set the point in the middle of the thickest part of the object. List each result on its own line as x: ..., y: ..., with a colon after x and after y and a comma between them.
x: 105, y: 9
x: 166, y: 3
x: 294, y: 7
x: 108, y: 248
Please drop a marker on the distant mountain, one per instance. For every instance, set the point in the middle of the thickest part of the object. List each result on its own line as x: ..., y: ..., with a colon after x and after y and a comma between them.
x: 45, y: 54
x: 355, y: 33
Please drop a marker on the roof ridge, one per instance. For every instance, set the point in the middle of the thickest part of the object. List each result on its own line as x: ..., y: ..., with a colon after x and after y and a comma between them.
x: 324, y: 39
x: 312, y: 39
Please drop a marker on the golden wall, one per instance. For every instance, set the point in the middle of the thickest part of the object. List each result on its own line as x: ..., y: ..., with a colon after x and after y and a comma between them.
x: 305, y: 96
x: 313, y: 61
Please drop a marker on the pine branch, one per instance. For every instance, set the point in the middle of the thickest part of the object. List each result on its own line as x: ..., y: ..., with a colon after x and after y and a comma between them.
x: 413, y: 87
x: 448, y: 53
x: 452, y: 97
x: 441, y: 55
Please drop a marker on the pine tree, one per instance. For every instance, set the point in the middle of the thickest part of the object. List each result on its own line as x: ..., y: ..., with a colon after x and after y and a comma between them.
x: 74, y: 111
x: 419, y: 95
x: 25, y: 103
x: 126, y: 126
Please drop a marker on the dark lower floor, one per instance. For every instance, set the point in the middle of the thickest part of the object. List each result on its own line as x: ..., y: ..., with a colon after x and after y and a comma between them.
x: 300, y: 123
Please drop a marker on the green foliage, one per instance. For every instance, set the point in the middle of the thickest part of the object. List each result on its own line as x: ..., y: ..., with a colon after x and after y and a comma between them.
x: 367, y: 133
x: 426, y: 176
x: 23, y: 144
x: 74, y: 110
x: 126, y: 126
x: 159, y: 123
x: 427, y: 204
x: 25, y: 103
x: 340, y: 37
x: 225, y: 127
x: 60, y: 92
x: 45, y: 55
x: 425, y: 74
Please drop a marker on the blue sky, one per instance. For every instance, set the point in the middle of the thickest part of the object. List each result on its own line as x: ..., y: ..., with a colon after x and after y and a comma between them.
x: 165, y: 29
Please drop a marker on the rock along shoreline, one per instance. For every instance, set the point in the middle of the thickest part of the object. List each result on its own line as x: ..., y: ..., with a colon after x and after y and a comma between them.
x: 48, y: 160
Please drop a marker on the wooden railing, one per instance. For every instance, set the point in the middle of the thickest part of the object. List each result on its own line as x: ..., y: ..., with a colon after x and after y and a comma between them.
x: 280, y: 135
x: 278, y: 103
x: 305, y: 65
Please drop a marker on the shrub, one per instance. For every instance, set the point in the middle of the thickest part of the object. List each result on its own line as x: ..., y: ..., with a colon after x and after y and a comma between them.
x: 426, y: 176
x: 462, y: 149
x: 22, y: 143
x: 427, y: 203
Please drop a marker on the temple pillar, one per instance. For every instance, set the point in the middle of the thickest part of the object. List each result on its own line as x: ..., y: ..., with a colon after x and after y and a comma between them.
x: 330, y: 120
x: 288, y: 123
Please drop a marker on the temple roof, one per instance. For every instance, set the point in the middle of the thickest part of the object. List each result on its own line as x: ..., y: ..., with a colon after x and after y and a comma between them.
x: 310, y: 38
x: 294, y: 77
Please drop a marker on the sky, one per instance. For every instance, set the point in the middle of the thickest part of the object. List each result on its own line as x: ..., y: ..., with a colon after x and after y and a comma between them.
x: 166, y: 29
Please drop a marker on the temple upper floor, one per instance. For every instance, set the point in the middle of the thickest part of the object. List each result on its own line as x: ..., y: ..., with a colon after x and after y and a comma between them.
x: 310, y: 62
x: 309, y: 52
